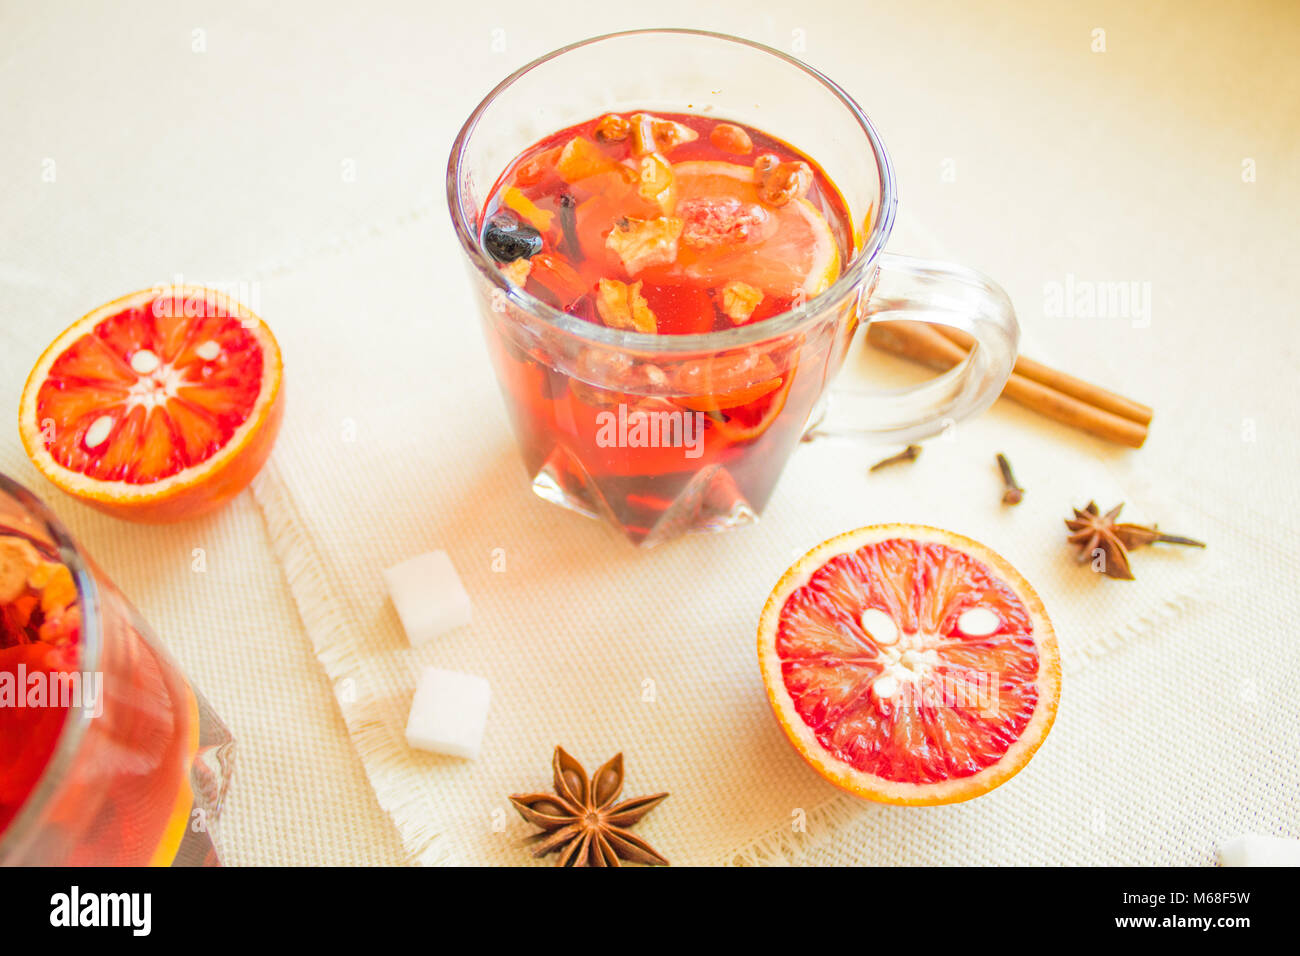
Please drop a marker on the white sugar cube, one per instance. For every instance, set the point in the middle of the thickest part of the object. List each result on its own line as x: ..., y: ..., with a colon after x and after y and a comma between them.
x: 428, y: 595
x: 1252, y: 849
x: 448, y: 713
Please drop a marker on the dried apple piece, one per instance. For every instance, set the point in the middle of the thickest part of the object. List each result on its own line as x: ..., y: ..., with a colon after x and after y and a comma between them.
x: 739, y: 300
x: 58, y: 590
x: 656, y: 184
x: 654, y: 134
x: 610, y: 375
x: 642, y: 243
x: 621, y: 306
x: 18, y: 559
x: 603, y: 365
x: 517, y: 271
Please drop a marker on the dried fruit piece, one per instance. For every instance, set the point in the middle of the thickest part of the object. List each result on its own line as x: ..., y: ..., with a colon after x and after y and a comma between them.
x: 622, y: 306
x: 595, y: 396
x: 517, y: 272
x: 603, y: 365
x: 720, y: 221
x: 653, y: 134
x: 18, y: 559
x: 779, y: 183
x: 643, y: 135
x: 534, y: 170
x: 641, y: 243
x: 613, y: 128
x: 739, y: 300
x: 58, y: 590
x: 599, y: 365
x: 730, y: 137
x: 507, y: 239
x: 655, y: 182
x: 581, y: 158
x: 540, y: 219
x: 651, y: 375
x: 557, y: 277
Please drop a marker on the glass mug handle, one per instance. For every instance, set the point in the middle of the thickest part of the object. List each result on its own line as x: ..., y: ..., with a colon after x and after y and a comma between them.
x: 938, y: 293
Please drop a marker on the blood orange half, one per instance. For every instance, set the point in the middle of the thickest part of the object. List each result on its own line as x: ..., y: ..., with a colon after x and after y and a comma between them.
x: 910, y: 665
x: 159, y: 406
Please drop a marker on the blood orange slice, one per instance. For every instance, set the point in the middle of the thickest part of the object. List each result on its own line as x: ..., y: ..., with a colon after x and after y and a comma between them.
x: 159, y: 406
x: 795, y: 253
x: 909, y: 665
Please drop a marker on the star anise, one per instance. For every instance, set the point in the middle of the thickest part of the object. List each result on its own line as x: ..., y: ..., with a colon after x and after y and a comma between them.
x: 581, y: 819
x: 1094, y: 531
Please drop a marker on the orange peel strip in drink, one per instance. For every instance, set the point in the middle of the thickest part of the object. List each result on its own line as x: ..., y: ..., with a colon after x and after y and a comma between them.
x: 178, y: 821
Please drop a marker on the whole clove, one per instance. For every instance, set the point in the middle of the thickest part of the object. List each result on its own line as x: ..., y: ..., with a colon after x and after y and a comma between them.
x: 1012, y: 493
x: 907, y: 454
x: 569, y: 227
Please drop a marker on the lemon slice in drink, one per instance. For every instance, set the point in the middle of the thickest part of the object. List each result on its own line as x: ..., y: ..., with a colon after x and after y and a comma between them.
x: 791, y: 253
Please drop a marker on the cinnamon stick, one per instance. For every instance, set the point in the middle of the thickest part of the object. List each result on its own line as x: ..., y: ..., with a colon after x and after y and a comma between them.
x: 923, y: 343
x: 1063, y: 382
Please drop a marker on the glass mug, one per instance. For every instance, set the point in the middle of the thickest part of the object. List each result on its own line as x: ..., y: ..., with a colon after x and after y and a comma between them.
x: 136, y: 771
x: 665, y: 434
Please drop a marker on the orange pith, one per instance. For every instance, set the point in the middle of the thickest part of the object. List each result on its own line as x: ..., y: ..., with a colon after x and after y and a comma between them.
x: 158, y: 406
x: 919, y: 712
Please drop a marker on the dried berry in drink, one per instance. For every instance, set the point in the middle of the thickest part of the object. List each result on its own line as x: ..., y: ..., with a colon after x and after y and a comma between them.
x: 613, y: 128
x: 779, y: 183
x: 731, y: 138
x: 507, y: 239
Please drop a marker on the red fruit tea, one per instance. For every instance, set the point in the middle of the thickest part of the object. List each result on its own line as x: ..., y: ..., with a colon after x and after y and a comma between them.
x: 124, y: 796
x: 668, y: 225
